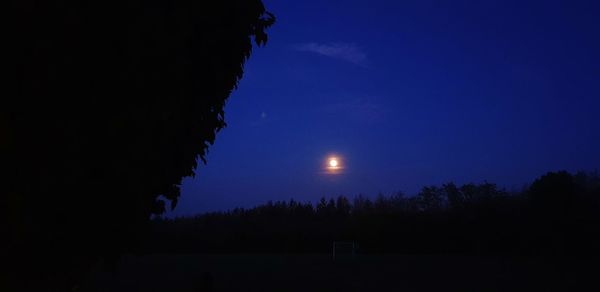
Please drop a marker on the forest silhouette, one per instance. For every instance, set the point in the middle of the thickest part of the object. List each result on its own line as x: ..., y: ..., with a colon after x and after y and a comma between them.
x: 557, y: 215
x: 108, y: 105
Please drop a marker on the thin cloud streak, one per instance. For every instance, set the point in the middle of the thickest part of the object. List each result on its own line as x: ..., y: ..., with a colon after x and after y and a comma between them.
x: 348, y: 52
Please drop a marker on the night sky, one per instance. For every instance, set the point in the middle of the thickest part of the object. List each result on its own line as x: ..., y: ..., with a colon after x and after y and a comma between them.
x: 407, y: 94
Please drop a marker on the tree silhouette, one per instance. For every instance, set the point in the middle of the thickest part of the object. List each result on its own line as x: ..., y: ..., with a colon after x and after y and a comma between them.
x: 566, y: 207
x: 455, y: 197
x: 554, y: 191
x: 109, y: 106
x: 431, y: 198
x: 343, y: 206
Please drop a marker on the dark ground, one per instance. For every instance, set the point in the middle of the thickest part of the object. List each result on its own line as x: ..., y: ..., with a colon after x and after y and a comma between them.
x: 314, y: 272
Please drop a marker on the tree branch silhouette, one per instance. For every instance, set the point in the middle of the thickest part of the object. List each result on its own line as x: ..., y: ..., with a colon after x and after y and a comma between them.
x: 109, y: 105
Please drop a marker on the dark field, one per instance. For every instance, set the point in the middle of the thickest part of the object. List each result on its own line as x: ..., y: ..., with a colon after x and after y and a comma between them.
x: 364, y: 273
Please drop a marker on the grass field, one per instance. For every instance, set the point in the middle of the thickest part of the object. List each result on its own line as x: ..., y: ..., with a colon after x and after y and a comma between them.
x: 363, y: 273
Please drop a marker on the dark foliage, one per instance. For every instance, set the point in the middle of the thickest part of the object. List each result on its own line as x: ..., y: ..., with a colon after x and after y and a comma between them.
x: 558, y: 214
x: 108, y: 106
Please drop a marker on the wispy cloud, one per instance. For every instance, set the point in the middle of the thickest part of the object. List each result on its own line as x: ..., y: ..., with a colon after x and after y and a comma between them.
x: 348, y: 52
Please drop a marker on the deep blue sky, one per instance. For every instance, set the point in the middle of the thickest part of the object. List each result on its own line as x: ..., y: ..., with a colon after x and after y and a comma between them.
x: 409, y: 93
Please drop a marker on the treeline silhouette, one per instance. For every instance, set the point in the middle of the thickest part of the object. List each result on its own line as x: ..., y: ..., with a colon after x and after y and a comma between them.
x: 558, y: 213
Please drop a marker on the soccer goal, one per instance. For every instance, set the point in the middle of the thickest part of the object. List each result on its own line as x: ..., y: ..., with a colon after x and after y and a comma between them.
x: 344, y: 248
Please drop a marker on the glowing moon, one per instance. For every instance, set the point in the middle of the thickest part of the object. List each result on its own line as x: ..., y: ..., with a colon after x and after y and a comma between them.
x: 333, y: 162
